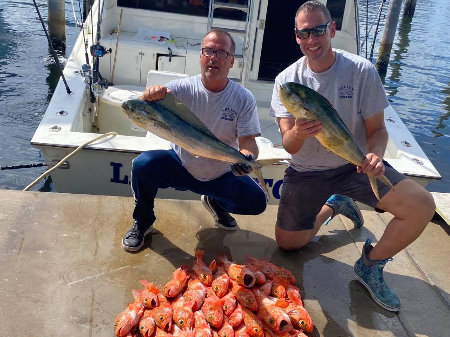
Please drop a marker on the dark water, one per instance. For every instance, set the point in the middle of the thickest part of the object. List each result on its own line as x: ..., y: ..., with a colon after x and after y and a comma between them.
x: 417, y: 81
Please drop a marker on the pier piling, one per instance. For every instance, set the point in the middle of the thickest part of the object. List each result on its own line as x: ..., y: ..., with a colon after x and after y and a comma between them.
x: 409, y: 8
x: 57, y: 24
x: 388, y: 36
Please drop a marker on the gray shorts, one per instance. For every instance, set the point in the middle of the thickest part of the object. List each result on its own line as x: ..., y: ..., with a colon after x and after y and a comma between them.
x: 304, y: 193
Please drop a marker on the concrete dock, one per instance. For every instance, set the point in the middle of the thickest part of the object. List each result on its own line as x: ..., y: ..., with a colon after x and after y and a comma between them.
x: 63, y: 271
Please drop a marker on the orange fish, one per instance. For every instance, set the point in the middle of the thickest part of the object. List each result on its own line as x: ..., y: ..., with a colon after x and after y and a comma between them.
x: 147, y: 324
x: 300, y: 317
x: 241, y: 331
x: 293, y: 294
x: 275, y: 318
x: 203, y: 272
x: 212, y: 309
x: 261, y: 265
x: 254, y: 325
x: 202, y: 328
x: 150, y: 300
x: 128, y: 319
x: 162, y: 314
x: 177, y: 283
x: 244, y: 296
x: 259, y: 275
x: 239, y: 273
x: 237, y: 316
x: 229, y: 303
x: 146, y: 297
x: 220, y: 282
x: 182, y: 315
x: 196, y: 296
x: 226, y: 330
x: 277, y: 290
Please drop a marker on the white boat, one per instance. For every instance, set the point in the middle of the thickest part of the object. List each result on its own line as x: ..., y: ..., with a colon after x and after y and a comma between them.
x: 158, y: 42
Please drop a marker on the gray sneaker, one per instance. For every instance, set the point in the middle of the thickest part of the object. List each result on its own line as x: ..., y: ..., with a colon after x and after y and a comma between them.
x: 222, y: 218
x: 344, y: 205
x: 133, y: 240
x: 370, y: 274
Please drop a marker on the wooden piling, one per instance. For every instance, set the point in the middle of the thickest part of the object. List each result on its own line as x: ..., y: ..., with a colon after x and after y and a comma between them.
x: 388, y: 36
x: 409, y: 8
x: 57, y: 24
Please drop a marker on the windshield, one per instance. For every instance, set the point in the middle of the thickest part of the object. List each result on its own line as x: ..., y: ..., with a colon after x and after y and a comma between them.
x: 189, y: 7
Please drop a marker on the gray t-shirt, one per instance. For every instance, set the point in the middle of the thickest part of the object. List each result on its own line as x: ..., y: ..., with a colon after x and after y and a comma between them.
x: 229, y: 114
x: 354, y: 88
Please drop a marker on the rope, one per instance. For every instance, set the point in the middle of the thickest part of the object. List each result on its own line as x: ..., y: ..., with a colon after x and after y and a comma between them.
x: 67, y: 157
x: 15, y: 167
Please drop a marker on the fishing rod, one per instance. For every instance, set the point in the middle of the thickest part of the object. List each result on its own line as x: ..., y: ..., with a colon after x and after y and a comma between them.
x: 52, y: 49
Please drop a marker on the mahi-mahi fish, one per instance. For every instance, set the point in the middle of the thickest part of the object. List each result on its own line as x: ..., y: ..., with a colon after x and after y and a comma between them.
x: 170, y: 119
x: 304, y: 102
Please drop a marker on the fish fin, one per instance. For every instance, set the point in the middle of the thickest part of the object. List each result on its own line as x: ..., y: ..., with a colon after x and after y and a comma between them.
x: 212, y: 265
x: 183, y: 112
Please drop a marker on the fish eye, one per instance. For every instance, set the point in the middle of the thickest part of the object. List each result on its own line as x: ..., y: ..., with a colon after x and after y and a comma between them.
x: 248, y: 300
x: 216, y: 288
x: 301, y: 322
x: 271, y: 321
x: 180, y: 322
x: 225, y: 307
x: 142, y: 327
x: 210, y: 316
x: 238, y: 277
x: 255, y: 330
x: 161, y: 318
x: 116, y: 323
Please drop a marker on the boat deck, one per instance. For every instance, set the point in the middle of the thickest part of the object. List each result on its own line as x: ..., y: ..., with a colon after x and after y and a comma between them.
x: 64, y: 273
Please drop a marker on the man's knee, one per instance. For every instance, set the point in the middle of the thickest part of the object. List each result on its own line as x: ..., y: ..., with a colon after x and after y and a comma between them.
x: 291, y: 240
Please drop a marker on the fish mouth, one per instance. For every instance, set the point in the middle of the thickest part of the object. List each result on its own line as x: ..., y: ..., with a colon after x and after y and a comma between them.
x: 284, y: 326
x: 249, y: 280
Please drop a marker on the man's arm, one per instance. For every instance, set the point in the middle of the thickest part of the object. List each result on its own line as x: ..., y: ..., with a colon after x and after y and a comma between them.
x: 376, y: 138
x: 294, y: 131
x: 247, y: 145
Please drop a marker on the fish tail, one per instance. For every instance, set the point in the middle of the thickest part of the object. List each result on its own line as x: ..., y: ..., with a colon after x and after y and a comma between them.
x: 374, y: 186
x: 259, y: 176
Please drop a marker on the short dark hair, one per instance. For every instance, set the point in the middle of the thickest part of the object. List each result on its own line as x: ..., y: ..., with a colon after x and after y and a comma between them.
x: 224, y: 32
x: 311, y: 6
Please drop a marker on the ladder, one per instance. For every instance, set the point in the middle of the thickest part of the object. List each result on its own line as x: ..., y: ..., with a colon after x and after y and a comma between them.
x: 245, y: 33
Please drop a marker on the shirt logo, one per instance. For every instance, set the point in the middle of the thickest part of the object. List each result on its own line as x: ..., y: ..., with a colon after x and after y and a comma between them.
x: 228, y: 114
x: 346, y: 91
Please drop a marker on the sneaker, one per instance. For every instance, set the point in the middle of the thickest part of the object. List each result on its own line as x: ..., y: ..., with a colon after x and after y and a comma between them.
x: 133, y: 240
x: 370, y: 274
x: 344, y: 205
x: 222, y: 219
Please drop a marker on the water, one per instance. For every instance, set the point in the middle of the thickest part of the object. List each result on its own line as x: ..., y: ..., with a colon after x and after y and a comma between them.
x: 417, y: 82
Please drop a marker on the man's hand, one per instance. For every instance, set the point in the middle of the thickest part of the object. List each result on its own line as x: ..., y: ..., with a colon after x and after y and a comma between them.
x: 154, y: 93
x: 372, y: 165
x: 239, y: 169
x: 305, y: 128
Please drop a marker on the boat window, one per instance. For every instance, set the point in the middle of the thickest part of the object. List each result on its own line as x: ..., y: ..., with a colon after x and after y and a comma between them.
x: 189, y: 7
x: 336, y: 8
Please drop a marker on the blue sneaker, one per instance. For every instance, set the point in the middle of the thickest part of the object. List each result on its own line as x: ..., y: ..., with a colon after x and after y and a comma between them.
x: 370, y: 274
x: 344, y: 205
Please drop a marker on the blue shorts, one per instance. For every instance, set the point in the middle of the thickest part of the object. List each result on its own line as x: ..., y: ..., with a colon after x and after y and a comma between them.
x: 304, y: 193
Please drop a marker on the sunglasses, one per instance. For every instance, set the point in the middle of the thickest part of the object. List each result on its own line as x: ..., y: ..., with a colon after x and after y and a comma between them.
x: 209, y: 52
x: 317, y: 31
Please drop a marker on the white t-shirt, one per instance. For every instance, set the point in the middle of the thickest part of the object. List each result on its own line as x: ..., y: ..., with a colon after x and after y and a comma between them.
x: 229, y: 114
x: 353, y: 87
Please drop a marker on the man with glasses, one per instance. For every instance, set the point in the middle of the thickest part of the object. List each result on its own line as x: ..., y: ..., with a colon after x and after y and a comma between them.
x: 353, y: 87
x: 229, y: 111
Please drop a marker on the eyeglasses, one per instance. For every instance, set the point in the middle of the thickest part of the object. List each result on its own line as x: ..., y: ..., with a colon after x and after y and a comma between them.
x: 317, y: 31
x: 209, y: 52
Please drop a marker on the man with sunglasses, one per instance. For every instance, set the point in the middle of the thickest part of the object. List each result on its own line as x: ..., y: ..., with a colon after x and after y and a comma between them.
x: 353, y: 86
x: 229, y: 111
